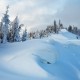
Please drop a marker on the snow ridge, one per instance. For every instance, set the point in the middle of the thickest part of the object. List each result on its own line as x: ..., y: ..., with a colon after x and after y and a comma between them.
x: 53, y: 58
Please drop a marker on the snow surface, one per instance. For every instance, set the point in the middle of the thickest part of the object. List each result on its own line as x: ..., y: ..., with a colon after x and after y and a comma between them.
x: 53, y: 58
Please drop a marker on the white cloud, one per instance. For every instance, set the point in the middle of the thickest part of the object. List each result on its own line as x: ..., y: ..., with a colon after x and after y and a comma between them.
x: 36, y: 12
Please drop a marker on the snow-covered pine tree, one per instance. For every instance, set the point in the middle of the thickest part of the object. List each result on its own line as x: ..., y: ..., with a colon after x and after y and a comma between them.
x: 60, y: 25
x: 5, y: 25
x: 55, y: 27
x: 16, y: 30
x: 41, y: 33
x: 10, y: 36
x: 75, y: 30
x: 1, y: 34
x: 37, y: 35
x: 24, y: 36
x: 70, y: 28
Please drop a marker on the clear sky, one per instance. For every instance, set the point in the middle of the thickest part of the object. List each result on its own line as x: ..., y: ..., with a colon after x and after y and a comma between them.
x: 38, y: 13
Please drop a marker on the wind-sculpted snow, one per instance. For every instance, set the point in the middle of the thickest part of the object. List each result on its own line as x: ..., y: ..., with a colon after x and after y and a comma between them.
x: 54, y: 58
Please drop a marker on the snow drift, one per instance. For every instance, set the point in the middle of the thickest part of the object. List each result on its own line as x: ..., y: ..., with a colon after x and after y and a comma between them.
x: 53, y: 58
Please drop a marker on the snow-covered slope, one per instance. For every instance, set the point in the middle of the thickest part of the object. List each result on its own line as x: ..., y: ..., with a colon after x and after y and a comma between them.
x: 53, y: 58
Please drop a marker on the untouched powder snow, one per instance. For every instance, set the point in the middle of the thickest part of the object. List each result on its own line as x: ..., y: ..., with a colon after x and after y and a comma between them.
x: 53, y: 58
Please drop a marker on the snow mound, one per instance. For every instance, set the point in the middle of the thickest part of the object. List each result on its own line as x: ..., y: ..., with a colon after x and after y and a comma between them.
x: 63, y: 30
x: 67, y: 34
x: 54, y: 58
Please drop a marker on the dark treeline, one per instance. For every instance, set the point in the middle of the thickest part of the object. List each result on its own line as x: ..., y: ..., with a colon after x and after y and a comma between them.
x: 55, y: 28
x: 74, y: 30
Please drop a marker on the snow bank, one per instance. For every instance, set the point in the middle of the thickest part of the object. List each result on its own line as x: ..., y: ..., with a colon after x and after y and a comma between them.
x: 53, y: 58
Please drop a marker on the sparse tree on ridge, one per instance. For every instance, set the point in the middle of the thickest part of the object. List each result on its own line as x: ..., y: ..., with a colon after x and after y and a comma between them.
x: 55, y: 27
x: 75, y: 30
x: 60, y: 25
x: 70, y: 28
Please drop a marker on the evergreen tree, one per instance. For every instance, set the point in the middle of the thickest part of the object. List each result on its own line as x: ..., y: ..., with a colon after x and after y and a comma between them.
x: 16, y: 30
x: 24, y: 36
x: 55, y: 27
x: 70, y: 28
x: 75, y: 30
x: 60, y: 25
x: 37, y: 34
x: 41, y: 33
x: 10, y: 36
x: 5, y: 25
x: 1, y: 34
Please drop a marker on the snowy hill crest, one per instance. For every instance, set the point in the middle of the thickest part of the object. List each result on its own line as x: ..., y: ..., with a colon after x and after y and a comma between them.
x: 53, y: 58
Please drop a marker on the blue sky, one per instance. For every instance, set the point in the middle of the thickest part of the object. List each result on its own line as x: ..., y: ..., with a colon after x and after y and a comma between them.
x: 39, y: 13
